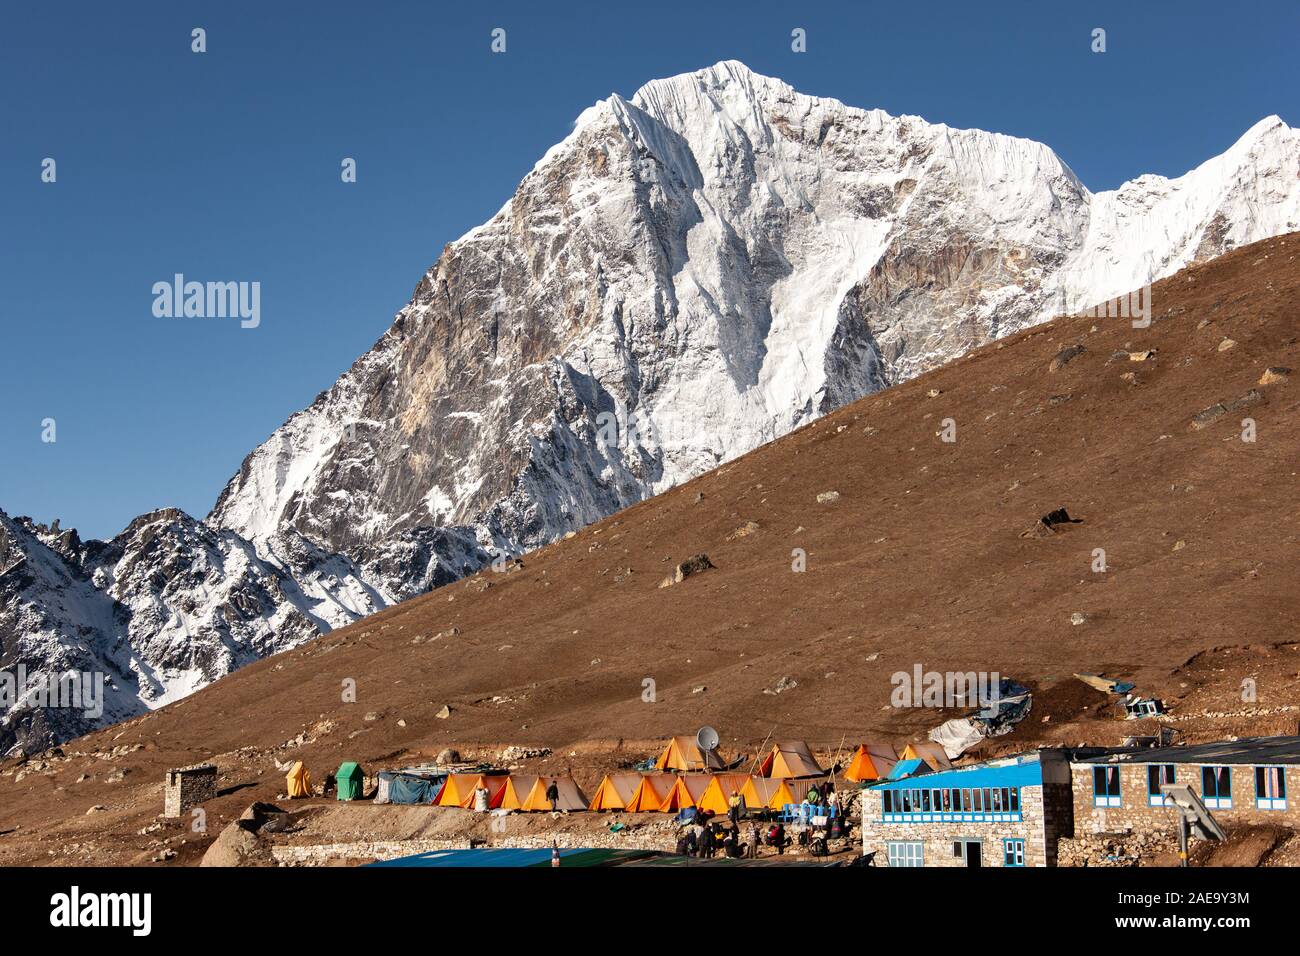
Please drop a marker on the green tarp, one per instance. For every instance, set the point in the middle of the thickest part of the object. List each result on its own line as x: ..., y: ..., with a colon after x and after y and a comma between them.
x: 351, y: 781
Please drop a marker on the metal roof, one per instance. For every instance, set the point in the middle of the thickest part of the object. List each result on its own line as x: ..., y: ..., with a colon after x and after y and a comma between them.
x: 1246, y: 750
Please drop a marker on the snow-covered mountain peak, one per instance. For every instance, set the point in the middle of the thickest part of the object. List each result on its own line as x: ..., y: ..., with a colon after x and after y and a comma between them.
x: 689, y: 273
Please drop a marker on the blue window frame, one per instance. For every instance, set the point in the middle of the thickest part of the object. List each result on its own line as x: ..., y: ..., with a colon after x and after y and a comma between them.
x: 1270, y: 788
x: 1013, y: 852
x: 1216, y: 787
x: 1158, y: 774
x: 1105, y: 787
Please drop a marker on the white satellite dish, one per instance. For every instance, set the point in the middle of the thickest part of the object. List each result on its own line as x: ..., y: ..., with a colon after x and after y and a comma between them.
x: 707, y: 739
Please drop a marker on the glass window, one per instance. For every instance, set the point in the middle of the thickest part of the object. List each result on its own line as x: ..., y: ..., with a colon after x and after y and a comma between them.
x: 1216, y: 787
x: 1015, y: 800
x: 1105, y: 787
x: 1015, y: 852
x: 905, y: 854
x: 1270, y: 788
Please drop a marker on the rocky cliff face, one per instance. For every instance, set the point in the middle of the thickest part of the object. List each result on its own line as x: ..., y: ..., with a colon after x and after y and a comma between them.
x: 689, y: 274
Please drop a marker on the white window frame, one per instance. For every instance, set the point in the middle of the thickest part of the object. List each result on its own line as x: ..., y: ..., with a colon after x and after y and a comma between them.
x: 905, y: 853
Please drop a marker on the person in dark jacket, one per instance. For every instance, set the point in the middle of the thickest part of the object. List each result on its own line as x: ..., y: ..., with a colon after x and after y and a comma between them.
x: 553, y: 794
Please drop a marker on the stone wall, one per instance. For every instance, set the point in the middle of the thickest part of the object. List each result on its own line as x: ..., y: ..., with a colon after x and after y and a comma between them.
x: 1134, y: 814
x: 938, y: 837
x: 188, y: 787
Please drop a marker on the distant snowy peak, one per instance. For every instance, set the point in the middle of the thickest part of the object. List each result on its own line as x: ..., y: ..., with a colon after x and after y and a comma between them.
x: 690, y: 273
x: 721, y: 258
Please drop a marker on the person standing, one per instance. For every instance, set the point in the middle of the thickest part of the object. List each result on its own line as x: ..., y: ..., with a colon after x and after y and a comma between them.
x: 553, y: 794
x: 755, y: 838
x: 734, y: 805
x: 481, y: 798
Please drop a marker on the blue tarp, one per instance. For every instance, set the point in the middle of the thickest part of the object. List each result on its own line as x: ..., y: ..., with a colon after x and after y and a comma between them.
x: 408, y: 788
x: 905, y: 768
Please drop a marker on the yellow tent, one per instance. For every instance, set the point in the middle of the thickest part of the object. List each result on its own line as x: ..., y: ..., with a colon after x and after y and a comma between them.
x: 650, y: 792
x: 686, y: 790
x: 872, y: 761
x: 516, y: 790
x: 569, y: 798
x: 298, y: 780
x: 791, y: 758
x: 759, y: 792
x: 935, y: 757
x: 718, y: 792
x: 614, y: 791
x: 459, y: 789
x: 683, y: 753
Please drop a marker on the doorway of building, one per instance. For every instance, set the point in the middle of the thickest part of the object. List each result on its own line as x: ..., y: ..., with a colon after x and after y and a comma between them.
x: 970, y: 851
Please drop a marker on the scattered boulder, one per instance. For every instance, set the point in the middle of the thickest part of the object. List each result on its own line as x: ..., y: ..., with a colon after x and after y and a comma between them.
x: 1078, y: 618
x: 692, y: 565
x: 744, y: 531
x: 1227, y: 344
x: 237, y: 846
x: 259, y: 814
x: 828, y: 497
x: 1275, y: 375
x: 1065, y: 357
x: 784, y: 684
x: 444, y: 712
x: 448, y: 755
x: 1208, y: 415
x: 515, y: 752
x: 1219, y: 409
x: 1046, y: 526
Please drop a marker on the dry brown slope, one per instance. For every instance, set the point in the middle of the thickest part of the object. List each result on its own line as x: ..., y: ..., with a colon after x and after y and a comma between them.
x: 920, y: 560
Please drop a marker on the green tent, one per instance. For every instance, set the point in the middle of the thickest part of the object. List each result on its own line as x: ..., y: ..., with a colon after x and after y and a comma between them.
x: 351, y: 780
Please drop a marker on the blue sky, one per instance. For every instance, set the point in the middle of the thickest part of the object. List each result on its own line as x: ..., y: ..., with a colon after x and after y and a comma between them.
x: 225, y: 166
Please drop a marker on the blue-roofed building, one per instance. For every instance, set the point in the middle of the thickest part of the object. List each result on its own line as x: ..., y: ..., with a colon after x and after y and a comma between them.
x: 1005, y: 812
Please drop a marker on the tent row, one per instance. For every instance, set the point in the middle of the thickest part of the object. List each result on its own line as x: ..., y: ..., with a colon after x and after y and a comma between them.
x: 673, y: 792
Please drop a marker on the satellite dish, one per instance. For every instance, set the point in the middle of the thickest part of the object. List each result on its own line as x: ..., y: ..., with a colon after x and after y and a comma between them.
x: 707, y: 739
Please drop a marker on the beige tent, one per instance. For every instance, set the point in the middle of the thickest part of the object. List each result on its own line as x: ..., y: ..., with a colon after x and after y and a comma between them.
x: 570, y: 797
x: 683, y: 753
x: 686, y: 792
x: 717, y: 795
x: 516, y: 790
x: 759, y: 792
x: 649, y: 794
x: 614, y: 791
x: 933, y: 754
x: 298, y: 780
x: 872, y: 761
x: 791, y: 758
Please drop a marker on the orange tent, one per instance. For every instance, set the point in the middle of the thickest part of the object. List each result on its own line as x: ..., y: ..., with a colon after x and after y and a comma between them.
x: 650, y: 792
x: 760, y: 792
x: 683, y: 753
x: 718, y: 793
x: 872, y: 761
x: 614, y: 791
x: 569, y: 798
x: 516, y: 790
x: 686, y: 791
x: 791, y: 758
x: 935, y: 757
x: 459, y: 789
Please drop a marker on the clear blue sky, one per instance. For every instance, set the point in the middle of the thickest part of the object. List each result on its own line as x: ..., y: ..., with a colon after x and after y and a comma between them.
x: 225, y: 166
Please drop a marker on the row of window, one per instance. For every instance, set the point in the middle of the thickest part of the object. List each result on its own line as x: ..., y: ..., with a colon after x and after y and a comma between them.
x: 1216, y: 786
x: 912, y: 852
x: 956, y: 800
